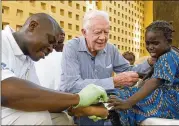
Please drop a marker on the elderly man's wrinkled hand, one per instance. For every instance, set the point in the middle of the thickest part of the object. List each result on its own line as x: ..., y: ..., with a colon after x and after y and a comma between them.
x: 126, y: 79
x: 92, y: 94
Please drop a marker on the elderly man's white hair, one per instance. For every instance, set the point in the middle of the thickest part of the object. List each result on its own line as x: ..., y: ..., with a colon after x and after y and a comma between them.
x: 92, y: 14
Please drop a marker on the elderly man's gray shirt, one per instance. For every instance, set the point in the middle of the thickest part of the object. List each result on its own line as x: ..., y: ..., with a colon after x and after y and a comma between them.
x: 80, y: 68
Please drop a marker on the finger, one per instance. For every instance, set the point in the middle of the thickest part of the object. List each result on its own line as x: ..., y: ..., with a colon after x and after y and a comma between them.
x: 111, y: 100
x: 98, y: 118
x: 69, y: 109
x: 110, y: 105
x: 112, y: 108
x: 134, y: 79
x: 95, y: 118
x: 132, y: 74
x: 130, y: 81
x: 117, y: 102
x: 104, y: 95
x: 92, y: 117
x: 118, y: 85
x: 128, y: 84
x: 112, y: 96
x: 119, y: 108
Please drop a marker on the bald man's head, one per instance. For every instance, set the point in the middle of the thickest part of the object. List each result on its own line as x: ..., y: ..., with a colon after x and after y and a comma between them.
x: 45, y: 21
x: 39, y: 35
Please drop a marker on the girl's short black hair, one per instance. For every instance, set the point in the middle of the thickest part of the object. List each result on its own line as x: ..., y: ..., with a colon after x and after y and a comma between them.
x: 163, y: 26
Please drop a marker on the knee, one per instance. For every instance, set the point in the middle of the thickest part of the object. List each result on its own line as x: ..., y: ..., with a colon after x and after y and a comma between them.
x: 41, y: 118
x: 61, y: 119
x: 26, y: 118
x: 35, y: 118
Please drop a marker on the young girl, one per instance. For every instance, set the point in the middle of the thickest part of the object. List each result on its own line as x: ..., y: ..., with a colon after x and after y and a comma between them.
x: 159, y: 96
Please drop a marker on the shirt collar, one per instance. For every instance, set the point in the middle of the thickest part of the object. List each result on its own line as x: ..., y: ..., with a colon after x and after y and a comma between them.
x: 16, y: 49
x: 83, y: 46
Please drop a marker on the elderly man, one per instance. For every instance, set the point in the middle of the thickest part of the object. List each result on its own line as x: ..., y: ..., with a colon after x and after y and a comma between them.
x: 24, y: 101
x: 92, y: 59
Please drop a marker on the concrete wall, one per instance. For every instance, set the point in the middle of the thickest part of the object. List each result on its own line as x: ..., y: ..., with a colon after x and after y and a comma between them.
x: 169, y: 11
x: 15, y: 13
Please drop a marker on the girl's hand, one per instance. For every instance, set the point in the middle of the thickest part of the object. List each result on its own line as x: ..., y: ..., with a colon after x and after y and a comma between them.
x: 119, y: 104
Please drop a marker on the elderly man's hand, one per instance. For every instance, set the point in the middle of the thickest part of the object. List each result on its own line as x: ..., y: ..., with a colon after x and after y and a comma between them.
x: 125, y: 79
x: 92, y: 94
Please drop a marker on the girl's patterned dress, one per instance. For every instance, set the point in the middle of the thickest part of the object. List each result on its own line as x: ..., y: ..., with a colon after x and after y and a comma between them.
x: 164, y: 101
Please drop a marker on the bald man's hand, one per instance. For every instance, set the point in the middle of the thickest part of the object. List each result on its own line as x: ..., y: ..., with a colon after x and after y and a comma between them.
x: 92, y: 94
x: 125, y: 79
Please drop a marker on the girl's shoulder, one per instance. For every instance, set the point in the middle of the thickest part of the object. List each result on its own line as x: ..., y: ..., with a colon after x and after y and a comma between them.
x: 172, y: 54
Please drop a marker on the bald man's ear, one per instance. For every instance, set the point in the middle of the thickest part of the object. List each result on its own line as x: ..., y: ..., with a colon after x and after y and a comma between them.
x: 32, y: 25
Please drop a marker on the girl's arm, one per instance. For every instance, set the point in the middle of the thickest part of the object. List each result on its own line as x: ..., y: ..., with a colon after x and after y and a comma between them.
x: 144, y: 91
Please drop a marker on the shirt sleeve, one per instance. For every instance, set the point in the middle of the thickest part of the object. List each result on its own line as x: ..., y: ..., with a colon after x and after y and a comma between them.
x: 121, y: 64
x: 166, y: 68
x: 71, y: 80
x: 6, y: 70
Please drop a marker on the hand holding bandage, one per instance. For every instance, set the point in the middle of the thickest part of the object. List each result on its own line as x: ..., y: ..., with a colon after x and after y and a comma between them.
x: 91, y: 94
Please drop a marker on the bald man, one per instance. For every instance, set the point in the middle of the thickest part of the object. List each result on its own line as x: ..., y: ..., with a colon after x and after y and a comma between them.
x: 24, y: 101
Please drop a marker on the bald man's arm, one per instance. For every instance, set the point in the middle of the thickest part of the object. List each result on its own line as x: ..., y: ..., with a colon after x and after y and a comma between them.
x: 24, y: 95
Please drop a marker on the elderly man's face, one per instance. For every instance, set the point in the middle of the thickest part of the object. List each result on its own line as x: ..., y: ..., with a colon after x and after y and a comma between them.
x: 97, y: 34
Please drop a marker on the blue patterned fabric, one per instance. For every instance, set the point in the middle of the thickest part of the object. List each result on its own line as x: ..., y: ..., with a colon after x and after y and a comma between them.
x: 164, y: 101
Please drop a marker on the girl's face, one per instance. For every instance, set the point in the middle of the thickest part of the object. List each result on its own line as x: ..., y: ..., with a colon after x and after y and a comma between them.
x: 156, y: 43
